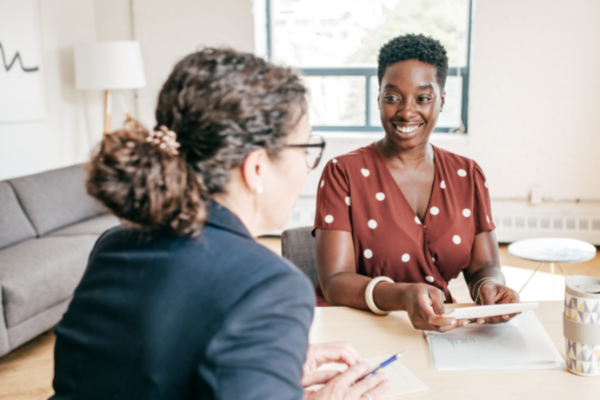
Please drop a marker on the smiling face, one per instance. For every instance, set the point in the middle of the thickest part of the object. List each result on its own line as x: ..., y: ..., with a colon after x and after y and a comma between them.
x: 410, y: 101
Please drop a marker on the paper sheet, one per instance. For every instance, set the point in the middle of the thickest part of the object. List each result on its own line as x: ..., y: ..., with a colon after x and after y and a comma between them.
x: 403, y: 381
x: 521, y: 343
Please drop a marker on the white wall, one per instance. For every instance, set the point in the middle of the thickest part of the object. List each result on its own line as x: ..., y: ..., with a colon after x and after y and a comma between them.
x: 534, y: 96
x: 170, y: 29
x: 533, y: 114
x: 62, y: 138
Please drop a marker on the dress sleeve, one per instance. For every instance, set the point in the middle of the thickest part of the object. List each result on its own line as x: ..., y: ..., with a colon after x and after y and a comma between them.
x: 483, y: 206
x: 333, y: 199
x: 258, y: 352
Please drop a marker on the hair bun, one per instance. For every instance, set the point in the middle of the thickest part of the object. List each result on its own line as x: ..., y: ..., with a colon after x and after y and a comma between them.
x: 145, y: 181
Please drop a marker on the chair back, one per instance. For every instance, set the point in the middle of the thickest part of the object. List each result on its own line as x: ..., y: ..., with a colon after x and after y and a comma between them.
x: 298, y: 246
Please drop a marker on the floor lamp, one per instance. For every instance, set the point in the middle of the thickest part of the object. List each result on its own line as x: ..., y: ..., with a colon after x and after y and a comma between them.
x: 109, y: 66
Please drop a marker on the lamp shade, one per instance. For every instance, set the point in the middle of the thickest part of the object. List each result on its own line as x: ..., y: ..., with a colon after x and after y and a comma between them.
x: 109, y: 66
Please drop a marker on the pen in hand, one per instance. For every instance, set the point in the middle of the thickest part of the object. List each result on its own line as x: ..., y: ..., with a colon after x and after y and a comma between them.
x: 382, y: 365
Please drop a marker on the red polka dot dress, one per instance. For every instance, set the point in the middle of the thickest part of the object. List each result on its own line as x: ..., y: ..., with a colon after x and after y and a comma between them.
x: 358, y: 194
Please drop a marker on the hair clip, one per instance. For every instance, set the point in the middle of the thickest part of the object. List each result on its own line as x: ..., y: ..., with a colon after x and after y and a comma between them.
x: 165, y: 139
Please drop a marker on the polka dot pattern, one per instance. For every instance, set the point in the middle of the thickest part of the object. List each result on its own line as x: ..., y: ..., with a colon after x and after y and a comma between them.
x: 361, y: 199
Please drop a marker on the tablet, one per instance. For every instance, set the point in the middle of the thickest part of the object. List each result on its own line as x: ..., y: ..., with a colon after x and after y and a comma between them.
x: 489, y: 311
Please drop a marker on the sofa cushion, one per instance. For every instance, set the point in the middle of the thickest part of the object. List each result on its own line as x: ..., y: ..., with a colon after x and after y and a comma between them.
x: 94, y: 226
x: 32, y: 327
x: 39, y: 273
x: 56, y: 198
x: 14, y: 225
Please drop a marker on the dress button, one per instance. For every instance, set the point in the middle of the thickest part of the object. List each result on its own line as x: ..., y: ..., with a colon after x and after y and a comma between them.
x: 429, y: 279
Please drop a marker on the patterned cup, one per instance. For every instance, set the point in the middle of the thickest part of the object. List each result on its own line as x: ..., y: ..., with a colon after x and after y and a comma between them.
x: 581, y: 324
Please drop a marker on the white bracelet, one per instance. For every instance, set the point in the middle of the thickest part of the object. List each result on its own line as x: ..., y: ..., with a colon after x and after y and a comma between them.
x: 369, y: 294
x: 481, y: 282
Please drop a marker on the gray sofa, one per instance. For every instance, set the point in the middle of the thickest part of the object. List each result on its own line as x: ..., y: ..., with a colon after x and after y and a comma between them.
x: 48, y: 225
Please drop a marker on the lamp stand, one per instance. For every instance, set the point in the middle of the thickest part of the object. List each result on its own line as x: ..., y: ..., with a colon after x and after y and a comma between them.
x: 107, y: 112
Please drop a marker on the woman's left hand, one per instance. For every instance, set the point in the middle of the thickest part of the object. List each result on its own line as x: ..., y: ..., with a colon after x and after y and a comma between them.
x: 495, y: 293
x: 319, y: 354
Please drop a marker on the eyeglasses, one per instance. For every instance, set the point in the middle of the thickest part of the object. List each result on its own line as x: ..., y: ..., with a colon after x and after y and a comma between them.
x: 314, y: 150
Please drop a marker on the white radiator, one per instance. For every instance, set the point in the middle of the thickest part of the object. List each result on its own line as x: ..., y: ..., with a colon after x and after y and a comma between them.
x: 511, y: 226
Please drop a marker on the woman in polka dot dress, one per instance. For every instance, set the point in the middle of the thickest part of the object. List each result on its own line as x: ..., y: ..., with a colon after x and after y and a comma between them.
x: 404, y: 209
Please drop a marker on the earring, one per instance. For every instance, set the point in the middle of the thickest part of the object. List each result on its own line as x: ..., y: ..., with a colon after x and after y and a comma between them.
x: 259, y: 189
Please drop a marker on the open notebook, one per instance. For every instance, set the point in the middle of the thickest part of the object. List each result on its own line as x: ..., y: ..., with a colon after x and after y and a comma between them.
x: 521, y: 343
x: 403, y: 381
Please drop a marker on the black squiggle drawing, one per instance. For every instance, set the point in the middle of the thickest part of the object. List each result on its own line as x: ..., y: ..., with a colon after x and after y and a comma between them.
x: 17, y: 56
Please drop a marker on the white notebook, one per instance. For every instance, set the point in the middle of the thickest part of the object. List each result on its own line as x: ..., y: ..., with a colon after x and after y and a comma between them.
x: 403, y: 381
x: 521, y: 343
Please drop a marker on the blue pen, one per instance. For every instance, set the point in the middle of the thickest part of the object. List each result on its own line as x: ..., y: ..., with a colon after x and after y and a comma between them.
x: 382, y: 365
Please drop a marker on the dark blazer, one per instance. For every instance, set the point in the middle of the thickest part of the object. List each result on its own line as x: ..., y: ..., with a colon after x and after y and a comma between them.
x: 162, y: 317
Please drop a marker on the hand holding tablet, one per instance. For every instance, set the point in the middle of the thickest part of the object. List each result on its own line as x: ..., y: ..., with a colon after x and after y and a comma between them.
x: 475, y: 312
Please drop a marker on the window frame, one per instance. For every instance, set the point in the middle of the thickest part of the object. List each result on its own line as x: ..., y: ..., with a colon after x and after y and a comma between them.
x: 369, y: 72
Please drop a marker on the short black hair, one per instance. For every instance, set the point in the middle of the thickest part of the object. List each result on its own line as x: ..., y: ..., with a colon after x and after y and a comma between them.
x: 408, y: 47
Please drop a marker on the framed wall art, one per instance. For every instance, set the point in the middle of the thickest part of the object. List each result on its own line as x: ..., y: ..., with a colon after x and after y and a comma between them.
x: 22, y: 95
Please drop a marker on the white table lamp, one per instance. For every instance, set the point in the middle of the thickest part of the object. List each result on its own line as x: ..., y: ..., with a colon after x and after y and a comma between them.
x: 114, y: 65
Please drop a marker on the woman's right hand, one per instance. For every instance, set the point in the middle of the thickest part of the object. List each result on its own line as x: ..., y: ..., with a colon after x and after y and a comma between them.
x: 342, y: 386
x: 425, y: 306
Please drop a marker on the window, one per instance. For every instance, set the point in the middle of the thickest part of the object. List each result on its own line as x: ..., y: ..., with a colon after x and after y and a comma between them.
x: 335, y: 44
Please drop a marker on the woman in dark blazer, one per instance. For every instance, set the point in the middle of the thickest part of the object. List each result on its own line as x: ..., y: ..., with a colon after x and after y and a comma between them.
x: 181, y: 302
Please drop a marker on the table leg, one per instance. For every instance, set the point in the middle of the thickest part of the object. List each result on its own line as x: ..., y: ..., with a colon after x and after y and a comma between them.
x: 534, y: 272
x: 562, y: 270
x: 552, y: 272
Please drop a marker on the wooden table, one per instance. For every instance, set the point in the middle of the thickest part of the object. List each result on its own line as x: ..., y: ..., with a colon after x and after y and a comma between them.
x: 372, y: 336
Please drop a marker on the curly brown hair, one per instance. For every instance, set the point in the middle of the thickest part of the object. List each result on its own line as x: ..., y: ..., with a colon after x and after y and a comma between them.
x: 222, y: 104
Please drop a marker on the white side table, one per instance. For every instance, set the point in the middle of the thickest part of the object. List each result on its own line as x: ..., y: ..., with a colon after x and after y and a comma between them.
x: 553, y: 251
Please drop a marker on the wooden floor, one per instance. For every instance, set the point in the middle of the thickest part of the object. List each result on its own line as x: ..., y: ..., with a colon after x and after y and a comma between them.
x: 26, y: 373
